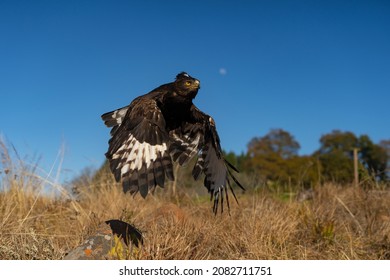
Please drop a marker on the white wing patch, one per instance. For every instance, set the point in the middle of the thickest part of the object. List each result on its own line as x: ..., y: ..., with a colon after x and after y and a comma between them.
x: 134, y: 154
x: 118, y: 115
x: 115, y: 118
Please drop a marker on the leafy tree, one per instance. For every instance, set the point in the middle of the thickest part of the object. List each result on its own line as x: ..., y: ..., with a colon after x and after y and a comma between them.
x: 275, y: 158
x: 336, y: 156
x: 373, y: 157
x: 303, y: 171
x: 338, y: 141
x: 277, y: 141
x: 237, y: 160
x: 385, y: 145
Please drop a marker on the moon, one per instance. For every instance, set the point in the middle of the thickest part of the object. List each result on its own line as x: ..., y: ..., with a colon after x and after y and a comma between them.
x: 222, y: 71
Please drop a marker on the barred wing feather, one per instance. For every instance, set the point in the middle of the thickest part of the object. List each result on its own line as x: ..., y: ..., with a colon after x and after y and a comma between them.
x: 217, y: 172
x: 139, y: 149
x: 202, y: 139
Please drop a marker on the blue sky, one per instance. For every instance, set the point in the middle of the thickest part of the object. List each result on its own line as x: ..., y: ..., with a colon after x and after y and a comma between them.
x: 307, y: 67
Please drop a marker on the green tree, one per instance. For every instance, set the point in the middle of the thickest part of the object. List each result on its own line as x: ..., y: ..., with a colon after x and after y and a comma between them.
x: 277, y: 141
x: 274, y: 157
x: 373, y: 157
x: 385, y: 145
x: 237, y: 161
x: 336, y: 156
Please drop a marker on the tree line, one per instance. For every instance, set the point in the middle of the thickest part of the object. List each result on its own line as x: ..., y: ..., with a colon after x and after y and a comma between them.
x: 274, y: 158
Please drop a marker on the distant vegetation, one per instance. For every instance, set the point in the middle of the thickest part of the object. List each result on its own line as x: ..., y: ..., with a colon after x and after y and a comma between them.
x: 295, y: 207
x: 274, y: 158
x: 273, y: 161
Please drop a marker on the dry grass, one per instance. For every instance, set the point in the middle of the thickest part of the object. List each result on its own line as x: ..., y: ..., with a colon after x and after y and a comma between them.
x: 339, y: 222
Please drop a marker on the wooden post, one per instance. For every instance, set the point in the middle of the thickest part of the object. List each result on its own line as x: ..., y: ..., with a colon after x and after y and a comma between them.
x: 355, y: 167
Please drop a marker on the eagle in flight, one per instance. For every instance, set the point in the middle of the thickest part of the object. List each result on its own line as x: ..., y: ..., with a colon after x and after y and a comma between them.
x: 162, y: 127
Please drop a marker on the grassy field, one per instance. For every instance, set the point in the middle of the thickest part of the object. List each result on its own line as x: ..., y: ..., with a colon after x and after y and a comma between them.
x: 338, y: 222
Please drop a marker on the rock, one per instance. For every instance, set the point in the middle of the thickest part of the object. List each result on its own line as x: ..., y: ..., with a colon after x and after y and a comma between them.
x: 113, y: 239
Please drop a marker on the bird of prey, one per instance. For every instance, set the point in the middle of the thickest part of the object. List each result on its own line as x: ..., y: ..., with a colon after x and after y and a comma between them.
x: 162, y: 127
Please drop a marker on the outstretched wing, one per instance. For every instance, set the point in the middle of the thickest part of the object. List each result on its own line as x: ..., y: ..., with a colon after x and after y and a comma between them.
x: 200, y: 137
x: 114, y: 118
x: 139, y: 148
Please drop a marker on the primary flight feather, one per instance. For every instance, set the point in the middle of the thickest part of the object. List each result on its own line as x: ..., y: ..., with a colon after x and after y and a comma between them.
x: 162, y: 127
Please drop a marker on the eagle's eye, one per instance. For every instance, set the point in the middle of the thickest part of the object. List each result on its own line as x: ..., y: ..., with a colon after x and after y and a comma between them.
x: 187, y: 83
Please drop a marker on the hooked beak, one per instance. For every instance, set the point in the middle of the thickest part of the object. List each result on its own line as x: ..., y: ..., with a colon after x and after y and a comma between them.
x: 197, y: 83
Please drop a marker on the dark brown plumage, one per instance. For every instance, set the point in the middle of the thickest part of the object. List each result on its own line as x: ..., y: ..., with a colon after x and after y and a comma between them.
x: 162, y: 127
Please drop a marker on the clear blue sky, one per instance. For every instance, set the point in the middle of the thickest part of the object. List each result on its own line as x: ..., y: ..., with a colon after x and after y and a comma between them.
x: 304, y: 66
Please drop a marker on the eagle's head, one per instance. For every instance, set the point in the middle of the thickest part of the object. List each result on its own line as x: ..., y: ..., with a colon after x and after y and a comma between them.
x: 186, y: 86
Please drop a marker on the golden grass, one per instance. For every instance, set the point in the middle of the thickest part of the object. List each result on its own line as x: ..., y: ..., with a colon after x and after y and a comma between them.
x: 339, y: 222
